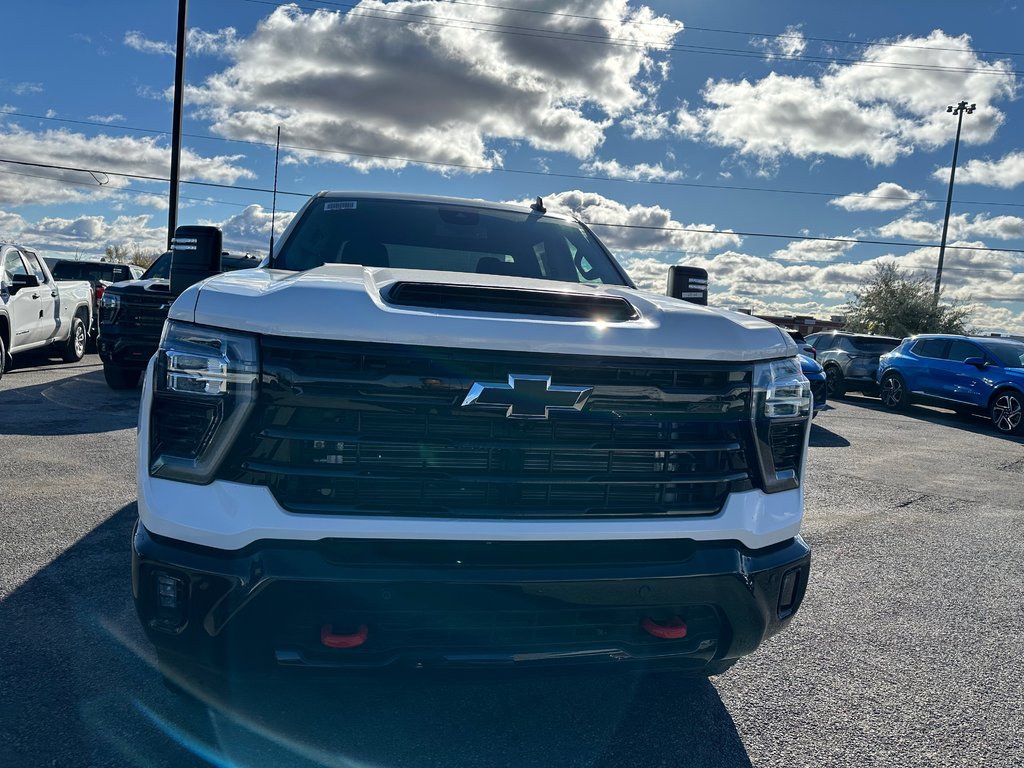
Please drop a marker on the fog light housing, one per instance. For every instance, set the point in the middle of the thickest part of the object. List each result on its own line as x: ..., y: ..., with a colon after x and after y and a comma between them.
x: 170, y: 602
x: 789, y: 592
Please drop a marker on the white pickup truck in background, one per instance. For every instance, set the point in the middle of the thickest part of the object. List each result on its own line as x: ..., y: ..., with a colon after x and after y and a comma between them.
x: 37, y: 311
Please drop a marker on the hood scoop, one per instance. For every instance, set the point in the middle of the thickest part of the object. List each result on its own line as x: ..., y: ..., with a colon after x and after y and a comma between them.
x: 516, y: 301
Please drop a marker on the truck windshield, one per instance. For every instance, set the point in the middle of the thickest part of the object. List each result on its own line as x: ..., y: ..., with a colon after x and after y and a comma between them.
x: 446, y: 237
x: 159, y: 269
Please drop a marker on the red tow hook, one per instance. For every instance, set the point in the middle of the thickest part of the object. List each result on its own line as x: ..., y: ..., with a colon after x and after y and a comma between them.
x: 673, y: 629
x: 331, y: 640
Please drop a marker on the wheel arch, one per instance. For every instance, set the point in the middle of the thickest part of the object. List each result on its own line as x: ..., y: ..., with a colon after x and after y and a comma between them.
x: 1000, y: 389
x: 5, y: 331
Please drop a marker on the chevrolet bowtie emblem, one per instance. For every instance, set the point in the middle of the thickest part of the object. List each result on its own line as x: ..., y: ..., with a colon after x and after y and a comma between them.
x: 526, y: 397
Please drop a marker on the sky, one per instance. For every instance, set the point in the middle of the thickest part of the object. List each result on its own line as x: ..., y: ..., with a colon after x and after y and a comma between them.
x: 754, y: 139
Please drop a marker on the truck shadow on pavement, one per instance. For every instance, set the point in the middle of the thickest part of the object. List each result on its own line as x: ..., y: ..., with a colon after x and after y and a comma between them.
x: 975, y: 423
x: 825, y: 438
x: 73, y: 654
x: 74, y: 405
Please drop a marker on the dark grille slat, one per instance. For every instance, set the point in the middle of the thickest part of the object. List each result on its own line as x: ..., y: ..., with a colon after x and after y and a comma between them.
x: 290, y: 470
x: 349, y: 428
x: 353, y: 438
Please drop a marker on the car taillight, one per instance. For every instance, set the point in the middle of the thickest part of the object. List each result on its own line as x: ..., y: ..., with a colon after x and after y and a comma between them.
x: 99, y: 291
x: 205, y: 385
x: 781, y: 415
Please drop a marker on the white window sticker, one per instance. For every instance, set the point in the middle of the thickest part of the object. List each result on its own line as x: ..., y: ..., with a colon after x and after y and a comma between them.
x: 340, y: 205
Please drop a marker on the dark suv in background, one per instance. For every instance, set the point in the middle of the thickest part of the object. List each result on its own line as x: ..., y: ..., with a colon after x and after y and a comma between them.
x: 850, y: 360
x: 968, y: 374
x: 131, y: 318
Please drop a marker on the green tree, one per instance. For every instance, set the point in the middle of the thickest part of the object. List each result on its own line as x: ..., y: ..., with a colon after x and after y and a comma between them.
x: 892, y: 302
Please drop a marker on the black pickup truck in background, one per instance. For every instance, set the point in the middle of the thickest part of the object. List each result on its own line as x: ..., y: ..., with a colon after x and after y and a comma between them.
x: 131, y: 318
x: 100, y: 274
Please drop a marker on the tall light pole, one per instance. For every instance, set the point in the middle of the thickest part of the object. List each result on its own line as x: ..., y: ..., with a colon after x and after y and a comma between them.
x: 179, y: 95
x: 959, y: 111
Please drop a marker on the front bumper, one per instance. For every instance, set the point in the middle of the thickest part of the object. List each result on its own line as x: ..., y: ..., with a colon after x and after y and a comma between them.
x: 125, y: 350
x: 452, y: 604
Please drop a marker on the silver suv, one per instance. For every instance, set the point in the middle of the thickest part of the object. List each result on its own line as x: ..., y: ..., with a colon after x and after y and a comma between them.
x: 850, y: 360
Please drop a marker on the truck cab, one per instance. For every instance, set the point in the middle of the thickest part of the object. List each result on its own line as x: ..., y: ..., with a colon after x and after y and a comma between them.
x: 37, y: 311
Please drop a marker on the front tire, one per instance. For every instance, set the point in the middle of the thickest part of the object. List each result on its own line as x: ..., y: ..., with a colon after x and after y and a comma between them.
x: 74, y: 347
x: 121, y: 378
x: 835, y: 382
x: 894, y: 392
x: 1007, y: 413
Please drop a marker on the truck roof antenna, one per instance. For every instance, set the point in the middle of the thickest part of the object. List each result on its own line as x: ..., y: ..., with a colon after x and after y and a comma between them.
x: 538, y: 206
x: 273, y: 207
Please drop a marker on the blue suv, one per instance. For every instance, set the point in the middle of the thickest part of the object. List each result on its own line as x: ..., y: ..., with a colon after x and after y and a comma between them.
x: 969, y: 375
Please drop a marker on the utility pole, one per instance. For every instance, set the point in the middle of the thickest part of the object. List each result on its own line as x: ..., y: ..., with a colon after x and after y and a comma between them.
x: 959, y: 111
x: 179, y: 96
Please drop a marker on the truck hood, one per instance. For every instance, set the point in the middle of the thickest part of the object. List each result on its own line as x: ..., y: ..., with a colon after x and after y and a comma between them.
x: 348, y: 302
x: 150, y: 287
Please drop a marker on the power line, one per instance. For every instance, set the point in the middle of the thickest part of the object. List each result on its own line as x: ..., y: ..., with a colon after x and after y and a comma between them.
x: 130, y: 190
x: 549, y: 34
x: 776, y: 235
x: 810, y: 262
x: 517, y: 171
x: 692, y: 28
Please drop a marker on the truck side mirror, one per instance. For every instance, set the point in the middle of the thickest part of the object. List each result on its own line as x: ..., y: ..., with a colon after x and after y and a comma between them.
x: 195, y: 256
x: 689, y: 284
x: 23, y: 281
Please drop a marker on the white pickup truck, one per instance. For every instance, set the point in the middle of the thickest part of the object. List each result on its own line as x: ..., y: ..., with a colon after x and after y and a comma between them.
x: 37, y: 311
x: 440, y: 432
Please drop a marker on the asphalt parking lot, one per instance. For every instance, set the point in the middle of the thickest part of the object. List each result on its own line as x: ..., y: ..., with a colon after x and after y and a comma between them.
x: 909, y: 649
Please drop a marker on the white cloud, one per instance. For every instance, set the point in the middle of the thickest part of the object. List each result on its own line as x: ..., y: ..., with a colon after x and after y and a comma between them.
x: 887, y: 196
x: 441, y: 92
x: 641, y: 171
x: 21, y: 89
x: 197, y: 41
x: 223, y: 42
x: 1006, y: 172
x: 646, y: 125
x: 872, y: 109
x: 788, y: 45
x: 961, y: 225
x: 638, y: 227
x: 135, y: 155
x: 138, y: 41
x: 90, y: 234
x: 249, y: 230
x: 813, y: 250
x: 115, y: 118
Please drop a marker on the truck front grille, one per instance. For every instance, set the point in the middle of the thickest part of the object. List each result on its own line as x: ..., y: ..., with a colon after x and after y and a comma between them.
x: 142, y: 313
x: 364, y: 429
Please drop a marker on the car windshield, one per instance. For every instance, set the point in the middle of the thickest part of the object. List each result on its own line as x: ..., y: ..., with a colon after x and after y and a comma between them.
x: 1010, y: 354
x: 874, y: 344
x: 446, y: 237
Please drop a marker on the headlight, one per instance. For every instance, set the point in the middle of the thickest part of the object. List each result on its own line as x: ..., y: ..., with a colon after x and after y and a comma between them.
x: 781, y: 414
x: 109, y: 305
x: 206, y: 383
